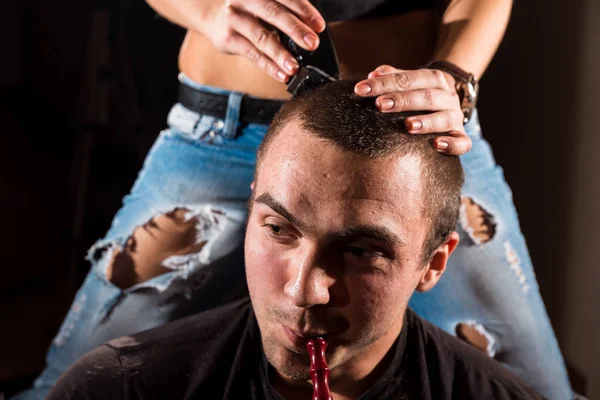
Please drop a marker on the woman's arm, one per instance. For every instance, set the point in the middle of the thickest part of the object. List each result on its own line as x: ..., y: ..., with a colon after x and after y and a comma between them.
x: 471, y: 32
x: 175, y: 11
x: 238, y: 27
x: 469, y: 36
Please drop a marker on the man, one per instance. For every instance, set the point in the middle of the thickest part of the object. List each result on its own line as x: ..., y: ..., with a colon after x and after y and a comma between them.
x: 348, y: 218
x: 165, y: 255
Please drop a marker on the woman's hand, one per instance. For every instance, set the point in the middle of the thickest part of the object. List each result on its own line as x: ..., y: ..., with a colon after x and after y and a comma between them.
x: 240, y: 27
x: 420, y: 90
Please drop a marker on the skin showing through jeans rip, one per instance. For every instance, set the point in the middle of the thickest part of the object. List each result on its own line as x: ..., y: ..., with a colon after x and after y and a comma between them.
x: 473, y: 336
x: 142, y: 257
x: 480, y: 222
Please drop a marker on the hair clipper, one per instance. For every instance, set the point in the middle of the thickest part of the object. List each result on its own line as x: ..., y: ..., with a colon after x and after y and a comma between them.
x: 316, y: 67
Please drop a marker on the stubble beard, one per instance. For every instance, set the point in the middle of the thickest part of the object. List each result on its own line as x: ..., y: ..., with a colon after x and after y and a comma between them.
x: 297, y: 366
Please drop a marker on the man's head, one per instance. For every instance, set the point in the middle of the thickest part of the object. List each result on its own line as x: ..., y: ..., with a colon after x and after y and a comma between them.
x: 349, y: 216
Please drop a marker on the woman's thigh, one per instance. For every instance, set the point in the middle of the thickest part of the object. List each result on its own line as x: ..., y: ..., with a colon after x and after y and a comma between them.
x: 489, y: 294
x: 192, y: 173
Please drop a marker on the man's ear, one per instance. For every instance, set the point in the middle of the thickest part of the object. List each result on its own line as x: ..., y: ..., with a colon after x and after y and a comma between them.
x: 437, y: 265
x: 252, y: 186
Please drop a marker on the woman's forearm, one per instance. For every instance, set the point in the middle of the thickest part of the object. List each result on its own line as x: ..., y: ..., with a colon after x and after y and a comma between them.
x: 186, y: 13
x: 471, y: 32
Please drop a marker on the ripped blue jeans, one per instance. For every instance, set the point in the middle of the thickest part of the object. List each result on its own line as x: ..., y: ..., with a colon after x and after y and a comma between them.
x: 205, y: 165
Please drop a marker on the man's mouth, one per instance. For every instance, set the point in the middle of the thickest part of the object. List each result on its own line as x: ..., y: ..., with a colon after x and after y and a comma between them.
x: 299, y: 339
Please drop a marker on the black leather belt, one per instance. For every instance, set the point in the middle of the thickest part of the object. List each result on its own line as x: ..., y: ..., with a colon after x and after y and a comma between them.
x: 252, y: 110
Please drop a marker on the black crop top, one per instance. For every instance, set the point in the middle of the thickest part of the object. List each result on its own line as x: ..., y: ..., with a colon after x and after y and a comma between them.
x: 343, y: 10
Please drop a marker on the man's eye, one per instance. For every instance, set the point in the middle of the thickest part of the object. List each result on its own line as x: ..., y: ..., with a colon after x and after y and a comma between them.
x: 360, y: 252
x: 275, y: 229
x: 355, y: 251
x: 280, y: 233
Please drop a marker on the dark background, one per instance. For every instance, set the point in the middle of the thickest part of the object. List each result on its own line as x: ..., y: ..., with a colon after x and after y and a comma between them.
x: 85, y: 88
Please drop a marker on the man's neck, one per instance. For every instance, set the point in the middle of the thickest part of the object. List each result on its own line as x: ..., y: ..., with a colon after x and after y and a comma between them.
x: 348, y: 387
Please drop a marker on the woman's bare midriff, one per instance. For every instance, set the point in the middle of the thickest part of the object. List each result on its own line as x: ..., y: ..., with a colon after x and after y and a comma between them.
x: 404, y: 41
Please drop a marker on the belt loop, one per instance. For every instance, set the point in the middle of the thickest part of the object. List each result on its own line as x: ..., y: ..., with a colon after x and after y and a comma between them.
x: 232, y: 115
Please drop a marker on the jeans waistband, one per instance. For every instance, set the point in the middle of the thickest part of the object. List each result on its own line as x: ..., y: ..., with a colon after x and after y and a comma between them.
x: 229, y: 106
x: 232, y: 118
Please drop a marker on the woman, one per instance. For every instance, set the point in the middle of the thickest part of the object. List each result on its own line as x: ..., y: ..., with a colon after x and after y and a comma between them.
x: 173, y: 248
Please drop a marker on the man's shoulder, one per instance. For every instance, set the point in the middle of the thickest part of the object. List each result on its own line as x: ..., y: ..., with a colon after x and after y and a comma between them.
x: 473, y: 373
x: 96, y: 375
x: 205, y: 326
x: 165, y: 361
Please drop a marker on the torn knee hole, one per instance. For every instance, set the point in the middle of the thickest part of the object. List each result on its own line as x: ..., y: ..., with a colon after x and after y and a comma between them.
x: 476, y: 335
x: 142, y: 256
x: 477, y: 221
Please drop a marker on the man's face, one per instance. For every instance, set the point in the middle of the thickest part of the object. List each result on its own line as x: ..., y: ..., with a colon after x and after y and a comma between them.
x: 333, y: 248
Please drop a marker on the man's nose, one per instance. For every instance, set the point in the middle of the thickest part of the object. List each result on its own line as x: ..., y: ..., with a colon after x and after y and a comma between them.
x: 308, y: 283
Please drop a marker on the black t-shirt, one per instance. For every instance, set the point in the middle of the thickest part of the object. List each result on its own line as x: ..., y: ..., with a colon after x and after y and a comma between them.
x: 218, y: 355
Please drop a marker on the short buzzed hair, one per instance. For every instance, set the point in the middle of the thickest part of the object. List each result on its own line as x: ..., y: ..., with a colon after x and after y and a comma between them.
x: 334, y: 113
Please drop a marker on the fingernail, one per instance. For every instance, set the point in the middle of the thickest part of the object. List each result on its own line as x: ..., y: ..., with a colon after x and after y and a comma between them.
x: 318, y: 23
x: 363, y: 88
x: 441, y: 145
x: 310, y: 40
x: 414, y: 125
x: 291, y: 64
x: 281, y: 76
x: 386, y: 103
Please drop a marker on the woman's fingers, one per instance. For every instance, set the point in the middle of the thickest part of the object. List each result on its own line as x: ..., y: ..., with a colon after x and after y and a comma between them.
x: 401, y: 81
x: 455, y: 143
x: 440, y: 121
x: 418, y: 100
x: 272, y: 56
x: 246, y: 28
x: 382, y: 70
x: 420, y: 90
x: 278, y: 15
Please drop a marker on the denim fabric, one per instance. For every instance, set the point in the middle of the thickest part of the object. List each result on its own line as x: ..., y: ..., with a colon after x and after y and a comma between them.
x: 492, y: 285
x: 205, y: 165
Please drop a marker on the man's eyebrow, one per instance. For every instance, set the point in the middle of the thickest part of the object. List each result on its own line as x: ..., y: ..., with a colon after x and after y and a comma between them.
x: 276, y: 206
x: 379, y: 233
